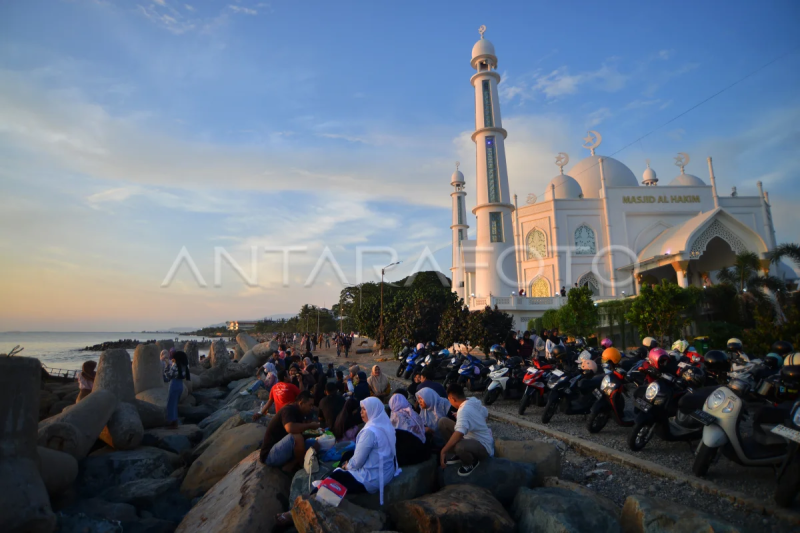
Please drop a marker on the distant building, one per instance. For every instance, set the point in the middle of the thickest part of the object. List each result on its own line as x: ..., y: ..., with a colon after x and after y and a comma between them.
x: 240, y: 325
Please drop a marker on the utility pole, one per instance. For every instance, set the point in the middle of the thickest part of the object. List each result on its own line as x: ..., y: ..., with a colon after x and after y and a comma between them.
x: 383, y: 270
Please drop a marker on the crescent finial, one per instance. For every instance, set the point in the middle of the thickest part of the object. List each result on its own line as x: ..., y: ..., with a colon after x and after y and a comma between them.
x: 681, y: 160
x: 482, y: 30
x: 562, y: 160
x: 592, y: 140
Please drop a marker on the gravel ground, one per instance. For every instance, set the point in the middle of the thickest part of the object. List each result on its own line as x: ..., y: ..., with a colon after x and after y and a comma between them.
x: 757, y: 483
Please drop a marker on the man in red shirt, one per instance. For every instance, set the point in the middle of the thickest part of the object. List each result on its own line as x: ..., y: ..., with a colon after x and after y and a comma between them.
x: 283, y: 393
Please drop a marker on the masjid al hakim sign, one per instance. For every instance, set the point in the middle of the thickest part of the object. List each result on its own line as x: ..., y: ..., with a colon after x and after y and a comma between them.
x: 596, y: 224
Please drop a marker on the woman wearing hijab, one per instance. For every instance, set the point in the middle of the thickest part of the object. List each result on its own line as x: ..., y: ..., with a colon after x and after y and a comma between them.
x: 373, y: 464
x: 270, y: 378
x: 432, y: 408
x: 346, y: 425
x: 86, y: 379
x: 379, y: 386
x: 361, y: 389
x: 409, y: 432
x: 176, y: 373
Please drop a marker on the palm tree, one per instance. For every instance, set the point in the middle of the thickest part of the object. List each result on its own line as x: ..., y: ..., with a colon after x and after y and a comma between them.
x: 744, y: 276
x: 789, y: 250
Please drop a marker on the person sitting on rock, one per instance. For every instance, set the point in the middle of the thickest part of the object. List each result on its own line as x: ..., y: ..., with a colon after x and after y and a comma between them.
x: 86, y: 379
x: 283, y: 393
x: 284, y: 445
x: 469, y: 439
x: 345, y: 428
x: 412, y: 389
x: 267, y: 378
x: 373, y: 464
x: 341, y: 384
x: 330, y: 406
x: 409, y: 432
x: 432, y: 408
x: 361, y: 387
x: 176, y: 373
x: 426, y: 382
x: 379, y: 385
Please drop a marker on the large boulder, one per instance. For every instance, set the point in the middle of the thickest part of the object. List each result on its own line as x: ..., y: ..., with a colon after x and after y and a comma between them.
x: 158, y: 497
x: 24, y: 505
x: 586, y: 492
x: 209, y: 395
x: 176, y: 440
x: 193, y: 354
x: 151, y: 415
x: 115, y: 375
x: 147, y: 370
x: 544, y: 455
x: 559, y: 510
x: 642, y: 514
x: 299, y: 486
x: 501, y: 476
x: 101, y: 472
x: 194, y: 414
x: 246, y: 500
x: 220, y: 457
x: 58, y: 470
x: 233, y: 421
x: 458, y: 508
x: 76, y: 430
x: 46, y: 401
x: 219, y: 354
x: 166, y: 344
x: 413, y: 482
x: 259, y: 354
x: 311, y: 516
x: 124, y: 430
x: 210, y: 423
x: 102, y: 509
x: 246, y: 342
x: 160, y: 396
x: 238, y: 353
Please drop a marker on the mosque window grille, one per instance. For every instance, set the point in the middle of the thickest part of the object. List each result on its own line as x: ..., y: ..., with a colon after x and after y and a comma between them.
x: 585, y: 241
x: 491, y: 170
x: 540, y: 288
x: 496, y: 226
x: 461, y: 235
x: 488, y: 119
x: 460, y: 207
x: 716, y: 229
x: 589, y: 280
x: 536, y: 244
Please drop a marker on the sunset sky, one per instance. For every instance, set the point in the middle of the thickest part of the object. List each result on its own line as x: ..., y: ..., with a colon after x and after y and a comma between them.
x: 130, y: 130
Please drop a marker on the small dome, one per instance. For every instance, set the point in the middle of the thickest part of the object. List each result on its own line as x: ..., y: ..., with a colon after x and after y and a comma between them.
x: 566, y: 187
x: 649, y: 175
x: 687, y: 180
x: 457, y: 177
x: 483, y: 48
x: 587, y: 174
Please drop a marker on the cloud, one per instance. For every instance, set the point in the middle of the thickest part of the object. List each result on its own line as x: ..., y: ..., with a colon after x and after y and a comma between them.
x: 596, y: 117
x: 638, y: 104
x: 242, y: 10
x: 676, y: 134
x: 560, y: 82
x: 188, y: 7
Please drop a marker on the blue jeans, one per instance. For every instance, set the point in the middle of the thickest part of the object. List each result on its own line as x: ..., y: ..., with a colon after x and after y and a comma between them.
x: 175, y: 391
x: 283, y: 451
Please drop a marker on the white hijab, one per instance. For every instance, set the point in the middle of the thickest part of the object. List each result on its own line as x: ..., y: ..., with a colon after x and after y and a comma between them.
x: 405, y: 418
x: 380, y: 425
x: 436, y: 407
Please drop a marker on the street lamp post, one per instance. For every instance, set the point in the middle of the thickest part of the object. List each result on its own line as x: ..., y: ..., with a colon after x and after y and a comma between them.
x: 383, y: 270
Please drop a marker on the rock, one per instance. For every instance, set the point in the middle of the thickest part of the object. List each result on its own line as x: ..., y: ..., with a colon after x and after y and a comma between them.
x: 602, y: 501
x: 235, y: 387
x: 312, y: 516
x: 244, y: 403
x: 455, y: 508
x: 234, y: 371
x: 149, y: 525
x: 24, y: 505
x: 220, y: 457
x: 58, y: 470
x: 159, y: 397
x: 238, y: 353
x: 543, y: 455
x: 115, y: 375
x: 193, y: 355
x: 97, y: 508
x: 207, y: 395
x: 101, y: 472
x: 219, y: 354
x: 246, y: 500
x: 151, y: 415
x: 194, y: 414
x: 158, y: 497
x: 58, y: 407
x: 501, y: 476
x: 215, y: 419
x: 559, y: 510
x: 124, y: 430
x: 414, y: 481
x: 75, y: 431
x: 46, y: 400
x: 230, y: 423
x: 246, y: 342
x: 259, y: 354
x: 82, y: 523
x: 166, y: 344
x: 71, y: 396
x: 176, y: 440
x: 147, y: 370
x: 299, y: 486
x: 188, y: 400
x: 643, y: 514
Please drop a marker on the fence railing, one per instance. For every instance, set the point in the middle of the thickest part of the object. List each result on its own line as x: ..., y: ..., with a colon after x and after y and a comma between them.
x: 61, y: 373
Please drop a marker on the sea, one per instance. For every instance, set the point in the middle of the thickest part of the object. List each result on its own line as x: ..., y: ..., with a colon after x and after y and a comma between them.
x: 64, y: 350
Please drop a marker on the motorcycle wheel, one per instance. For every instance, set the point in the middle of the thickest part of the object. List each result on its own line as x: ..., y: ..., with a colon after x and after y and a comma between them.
x: 407, y: 375
x: 523, y: 404
x: 490, y: 396
x: 597, y: 421
x: 549, y: 410
x: 702, y: 461
x: 399, y: 371
x: 788, y: 485
x: 640, y: 436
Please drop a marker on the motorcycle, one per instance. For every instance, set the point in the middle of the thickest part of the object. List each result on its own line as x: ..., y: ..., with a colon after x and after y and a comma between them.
x: 438, y: 362
x: 658, y: 414
x: 506, y: 379
x: 474, y: 373
x: 789, y: 471
x: 726, y: 420
x: 614, y: 387
x: 535, y: 382
x: 573, y: 394
x: 402, y: 354
x: 407, y: 368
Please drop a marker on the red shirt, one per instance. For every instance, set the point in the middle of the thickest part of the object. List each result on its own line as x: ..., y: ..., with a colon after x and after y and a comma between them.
x: 283, y: 394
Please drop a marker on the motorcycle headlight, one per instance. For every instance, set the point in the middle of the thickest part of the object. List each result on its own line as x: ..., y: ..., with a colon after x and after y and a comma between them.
x: 715, y: 400
x: 428, y: 359
x: 652, y: 391
x: 606, y: 384
x: 728, y: 407
x: 796, y: 417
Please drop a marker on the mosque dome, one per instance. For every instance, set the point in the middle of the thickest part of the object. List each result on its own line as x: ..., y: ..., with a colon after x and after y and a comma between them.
x: 483, y: 49
x: 587, y: 174
x: 457, y: 178
x: 649, y: 176
x: 687, y: 180
x: 566, y: 187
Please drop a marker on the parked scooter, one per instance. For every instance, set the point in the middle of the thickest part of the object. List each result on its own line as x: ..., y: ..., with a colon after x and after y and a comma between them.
x: 404, y: 351
x: 474, y: 373
x: 572, y: 394
x: 506, y: 380
x: 406, y: 368
x: 438, y: 362
x: 789, y: 471
x: 535, y: 381
x: 616, y: 385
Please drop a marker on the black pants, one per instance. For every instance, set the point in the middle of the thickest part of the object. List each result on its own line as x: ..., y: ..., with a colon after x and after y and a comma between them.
x: 347, y: 480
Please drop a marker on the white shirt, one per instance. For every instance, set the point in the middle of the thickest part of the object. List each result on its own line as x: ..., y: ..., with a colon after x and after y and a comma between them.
x: 471, y: 422
x: 366, y: 462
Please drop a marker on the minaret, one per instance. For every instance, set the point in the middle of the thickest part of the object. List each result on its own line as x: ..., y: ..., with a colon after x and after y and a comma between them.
x: 495, y: 242
x: 459, y: 228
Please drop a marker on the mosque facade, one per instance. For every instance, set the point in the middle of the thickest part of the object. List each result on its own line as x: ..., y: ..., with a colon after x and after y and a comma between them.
x: 596, y: 225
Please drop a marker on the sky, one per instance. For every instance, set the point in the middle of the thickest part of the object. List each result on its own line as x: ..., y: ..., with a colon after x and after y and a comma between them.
x: 134, y: 135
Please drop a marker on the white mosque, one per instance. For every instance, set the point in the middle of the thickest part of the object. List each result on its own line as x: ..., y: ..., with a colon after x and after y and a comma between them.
x: 596, y: 226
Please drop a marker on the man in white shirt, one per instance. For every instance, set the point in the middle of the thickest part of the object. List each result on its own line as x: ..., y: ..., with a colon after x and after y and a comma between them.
x: 469, y: 437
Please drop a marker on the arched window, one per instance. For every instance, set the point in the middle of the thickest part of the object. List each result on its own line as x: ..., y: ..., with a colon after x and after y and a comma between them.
x: 584, y: 241
x: 589, y: 280
x: 540, y: 288
x: 537, y: 244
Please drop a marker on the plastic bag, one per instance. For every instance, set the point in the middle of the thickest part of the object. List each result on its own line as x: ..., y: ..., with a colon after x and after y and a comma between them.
x: 326, y: 442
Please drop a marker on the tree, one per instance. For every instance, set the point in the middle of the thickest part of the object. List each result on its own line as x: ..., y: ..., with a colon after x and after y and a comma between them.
x: 579, y: 316
x: 489, y: 327
x: 662, y: 311
x: 454, y: 325
x: 789, y: 250
x: 550, y: 319
x: 615, y: 313
x: 745, y: 276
